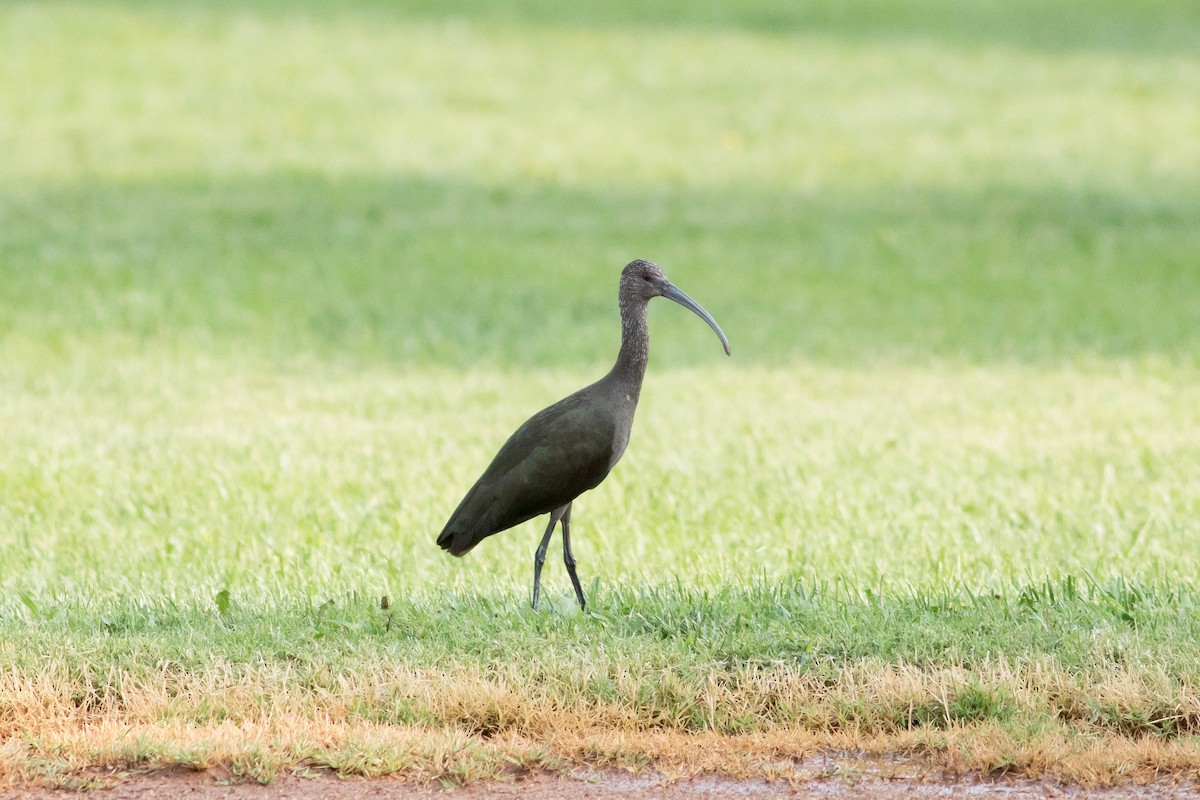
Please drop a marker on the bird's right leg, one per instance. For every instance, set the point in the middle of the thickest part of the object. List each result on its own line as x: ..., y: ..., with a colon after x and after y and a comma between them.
x: 539, y: 557
x: 569, y: 558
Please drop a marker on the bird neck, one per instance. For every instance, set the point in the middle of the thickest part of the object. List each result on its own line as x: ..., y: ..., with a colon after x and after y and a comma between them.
x: 635, y: 344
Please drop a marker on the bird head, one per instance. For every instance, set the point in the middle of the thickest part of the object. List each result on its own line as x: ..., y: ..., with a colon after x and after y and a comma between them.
x: 644, y: 280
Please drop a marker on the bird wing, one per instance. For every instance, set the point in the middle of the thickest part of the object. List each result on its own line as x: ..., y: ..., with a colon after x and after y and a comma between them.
x: 557, y: 455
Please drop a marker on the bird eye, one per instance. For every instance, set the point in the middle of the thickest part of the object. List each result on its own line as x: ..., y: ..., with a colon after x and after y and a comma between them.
x: 646, y: 278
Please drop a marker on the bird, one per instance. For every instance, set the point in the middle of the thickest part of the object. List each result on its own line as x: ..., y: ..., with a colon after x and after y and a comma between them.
x: 569, y: 448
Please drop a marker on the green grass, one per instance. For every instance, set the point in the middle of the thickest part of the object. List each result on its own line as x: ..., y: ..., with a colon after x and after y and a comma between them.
x: 149, y: 479
x: 277, y: 279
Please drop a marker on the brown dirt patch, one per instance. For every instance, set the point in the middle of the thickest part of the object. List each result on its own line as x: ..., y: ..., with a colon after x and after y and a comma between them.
x: 585, y: 785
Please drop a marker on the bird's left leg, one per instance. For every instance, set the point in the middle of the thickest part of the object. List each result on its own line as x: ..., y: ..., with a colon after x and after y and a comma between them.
x: 539, y: 558
x: 569, y: 557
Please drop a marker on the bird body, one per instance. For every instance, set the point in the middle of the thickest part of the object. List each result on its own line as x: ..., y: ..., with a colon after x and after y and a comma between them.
x: 570, y: 447
x: 557, y: 455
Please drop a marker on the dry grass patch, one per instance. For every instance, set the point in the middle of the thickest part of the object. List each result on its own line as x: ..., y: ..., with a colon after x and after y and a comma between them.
x: 1030, y: 719
x: 261, y: 752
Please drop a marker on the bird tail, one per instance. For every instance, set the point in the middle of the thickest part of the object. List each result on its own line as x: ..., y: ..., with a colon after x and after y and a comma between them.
x: 457, y: 543
x: 466, y: 528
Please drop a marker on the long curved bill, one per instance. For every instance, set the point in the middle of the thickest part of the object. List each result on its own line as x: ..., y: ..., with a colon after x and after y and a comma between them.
x: 673, y: 292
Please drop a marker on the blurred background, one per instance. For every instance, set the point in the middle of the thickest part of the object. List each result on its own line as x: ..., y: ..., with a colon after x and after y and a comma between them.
x: 458, y: 183
x: 276, y: 279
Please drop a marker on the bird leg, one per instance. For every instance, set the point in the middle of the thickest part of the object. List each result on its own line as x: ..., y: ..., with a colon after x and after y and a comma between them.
x: 569, y: 557
x: 539, y: 557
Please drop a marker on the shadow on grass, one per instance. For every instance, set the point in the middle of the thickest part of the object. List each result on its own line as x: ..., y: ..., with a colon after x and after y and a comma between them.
x: 1119, y: 26
x: 408, y: 270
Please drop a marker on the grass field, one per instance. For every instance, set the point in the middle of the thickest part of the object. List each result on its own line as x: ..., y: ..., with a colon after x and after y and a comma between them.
x: 277, y: 279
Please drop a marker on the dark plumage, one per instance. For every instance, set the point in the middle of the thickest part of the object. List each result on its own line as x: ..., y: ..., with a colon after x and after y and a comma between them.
x: 568, y: 448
